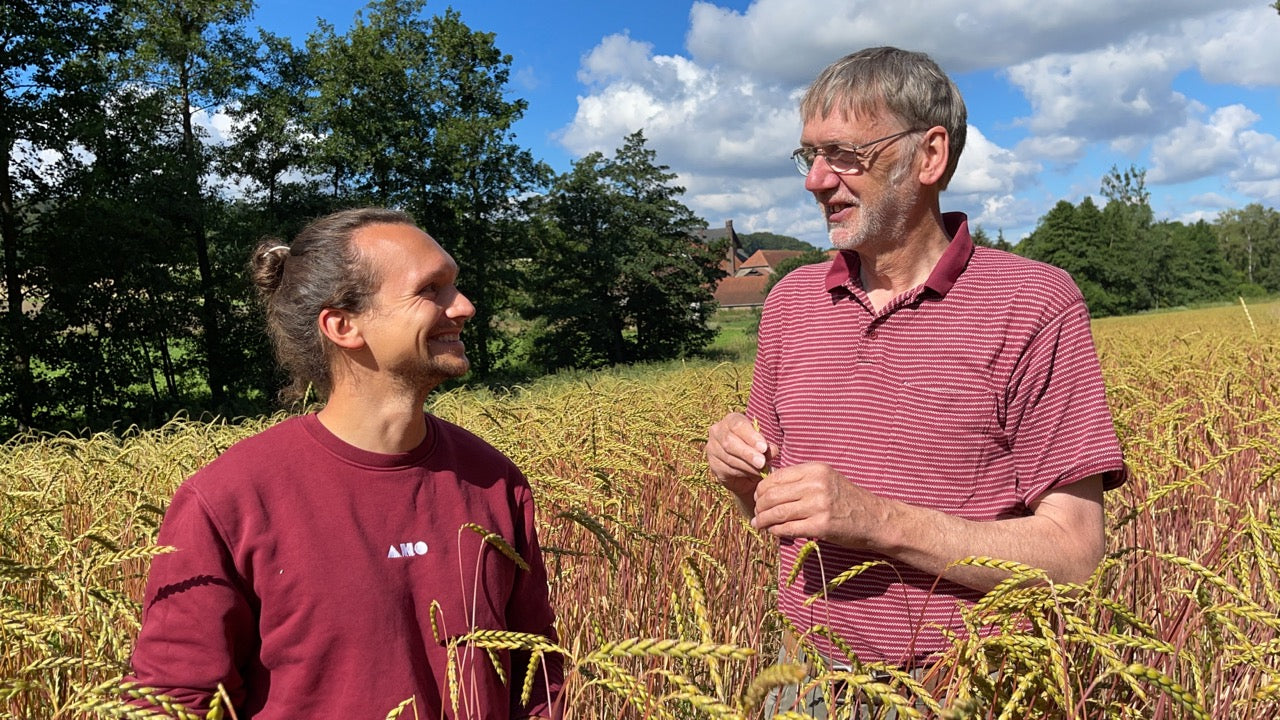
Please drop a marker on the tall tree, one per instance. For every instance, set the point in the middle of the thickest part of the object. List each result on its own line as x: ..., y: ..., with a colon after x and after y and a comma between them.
x: 194, y: 54
x: 621, y: 279
x: 121, y: 316
x: 1192, y: 268
x: 982, y: 238
x: 48, y: 83
x: 268, y: 144
x: 372, y: 107
x: 1250, y: 242
x: 478, y: 171
x: 413, y: 113
x: 1071, y: 238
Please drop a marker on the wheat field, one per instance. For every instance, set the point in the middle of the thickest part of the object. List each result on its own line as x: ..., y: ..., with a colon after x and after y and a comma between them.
x: 664, y: 594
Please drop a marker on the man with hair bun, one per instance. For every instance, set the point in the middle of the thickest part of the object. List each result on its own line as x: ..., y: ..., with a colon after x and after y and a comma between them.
x: 916, y: 401
x: 323, y: 566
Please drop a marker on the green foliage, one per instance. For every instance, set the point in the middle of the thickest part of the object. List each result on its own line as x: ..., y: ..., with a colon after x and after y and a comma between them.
x: 1122, y: 260
x: 1250, y: 242
x: 620, y: 278
x: 752, y: 242
x: 983, y: 239
x: 49, y: 87
x: 787, y: 265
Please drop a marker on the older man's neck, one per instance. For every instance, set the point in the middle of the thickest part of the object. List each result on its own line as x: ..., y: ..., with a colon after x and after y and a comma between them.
x: 894, y: 268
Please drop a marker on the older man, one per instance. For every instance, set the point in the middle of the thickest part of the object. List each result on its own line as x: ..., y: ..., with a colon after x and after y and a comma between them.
x: 918, y: 400
x: 323, y: 566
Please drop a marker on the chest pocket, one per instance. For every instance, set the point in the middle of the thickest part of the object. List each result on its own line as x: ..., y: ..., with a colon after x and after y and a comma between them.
x: 946, y: 439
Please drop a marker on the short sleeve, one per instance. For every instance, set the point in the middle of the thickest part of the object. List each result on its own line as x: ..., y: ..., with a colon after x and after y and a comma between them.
x: 1058, y: 421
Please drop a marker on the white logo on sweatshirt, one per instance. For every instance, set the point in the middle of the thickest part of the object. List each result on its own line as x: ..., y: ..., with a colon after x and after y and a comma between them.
x: 407, y: 549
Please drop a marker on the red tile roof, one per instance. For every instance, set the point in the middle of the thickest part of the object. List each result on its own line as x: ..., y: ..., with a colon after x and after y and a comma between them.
x: 745, y: 291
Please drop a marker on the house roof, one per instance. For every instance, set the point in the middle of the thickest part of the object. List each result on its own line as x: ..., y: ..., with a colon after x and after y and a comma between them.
x: 768, y: 258
x: 742, y: 291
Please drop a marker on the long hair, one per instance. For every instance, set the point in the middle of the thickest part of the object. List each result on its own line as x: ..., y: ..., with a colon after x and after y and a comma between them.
x: 321, y: 269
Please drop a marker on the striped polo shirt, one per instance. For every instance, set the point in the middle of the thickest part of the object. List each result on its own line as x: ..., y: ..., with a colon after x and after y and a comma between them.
x: 972, y: 394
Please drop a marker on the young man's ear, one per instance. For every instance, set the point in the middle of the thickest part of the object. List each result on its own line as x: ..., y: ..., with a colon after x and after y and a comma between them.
x: 341, y: 330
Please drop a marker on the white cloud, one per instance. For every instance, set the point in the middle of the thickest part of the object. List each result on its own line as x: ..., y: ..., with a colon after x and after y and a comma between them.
x: 1104, y: 81
x: 617, y: 57
x: 1106, y: 94
x: 790, y: 40
x: 697, y: 119
x: 1213, y: 199
x: 987, y: 168
x: 526, y: 78
x: 1238, y: 48
x: 1198, y: 149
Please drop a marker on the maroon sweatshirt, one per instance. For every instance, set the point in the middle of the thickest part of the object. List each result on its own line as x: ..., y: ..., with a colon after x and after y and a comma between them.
x: 306, y: 572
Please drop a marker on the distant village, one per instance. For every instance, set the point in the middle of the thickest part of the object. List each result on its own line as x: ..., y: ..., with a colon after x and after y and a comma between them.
x: 746, y: 274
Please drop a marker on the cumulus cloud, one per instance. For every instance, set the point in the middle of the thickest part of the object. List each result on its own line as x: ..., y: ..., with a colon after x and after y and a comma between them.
x: 990, y: 169
x: 1108, y: 94
x: 1237, y: 48
x: 1103, y: 84
x: 790, y: 40
x: 696, y: 118
x: 617, y: 57
x: 1198, y: 149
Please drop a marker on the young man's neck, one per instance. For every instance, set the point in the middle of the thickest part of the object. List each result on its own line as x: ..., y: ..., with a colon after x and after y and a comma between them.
x: 381, y: 422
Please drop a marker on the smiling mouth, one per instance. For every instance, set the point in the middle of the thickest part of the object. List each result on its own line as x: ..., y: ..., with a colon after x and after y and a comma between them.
x: 452, y: 337
x: 838, y: 208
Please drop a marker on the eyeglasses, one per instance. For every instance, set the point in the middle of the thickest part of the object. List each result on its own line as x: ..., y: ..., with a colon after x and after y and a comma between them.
x: 842, y: 159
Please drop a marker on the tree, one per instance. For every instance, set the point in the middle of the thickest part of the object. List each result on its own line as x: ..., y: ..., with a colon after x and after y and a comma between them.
x: 1192, y: 268
x: 752, y: 242
x: 373, y: 104
x: 48, y: 84
x: 193, y: 54
x: 620, y: 277
x: 982, y: 239
x: 412, y: 113
x: 120, y: 317
x: 1250, y: 242
x: 268, y: 140
x: 1071, y: 238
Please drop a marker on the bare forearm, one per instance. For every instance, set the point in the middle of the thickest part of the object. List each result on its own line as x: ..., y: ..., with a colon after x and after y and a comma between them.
x: 1066, y: 543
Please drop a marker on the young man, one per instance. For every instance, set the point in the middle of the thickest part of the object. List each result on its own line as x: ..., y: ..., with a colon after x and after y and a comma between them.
x: 919, y: 400
x: 322, y: 566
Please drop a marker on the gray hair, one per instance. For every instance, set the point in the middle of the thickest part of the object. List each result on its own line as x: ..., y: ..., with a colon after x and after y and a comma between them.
x: 908, y: 85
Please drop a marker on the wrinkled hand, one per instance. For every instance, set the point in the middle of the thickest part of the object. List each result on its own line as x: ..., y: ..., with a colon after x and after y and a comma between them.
x: 737, y: 454
x: 813, y: 500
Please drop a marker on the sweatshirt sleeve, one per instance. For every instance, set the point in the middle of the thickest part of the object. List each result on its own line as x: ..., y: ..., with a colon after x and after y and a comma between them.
x: 198, y: 627
x: 529, y: 610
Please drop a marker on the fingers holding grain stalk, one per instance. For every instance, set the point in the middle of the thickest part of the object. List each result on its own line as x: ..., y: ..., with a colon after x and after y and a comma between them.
x: 738, y: 456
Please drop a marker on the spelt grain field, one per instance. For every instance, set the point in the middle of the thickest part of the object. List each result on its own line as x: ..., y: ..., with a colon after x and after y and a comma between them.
x: 664, y: 593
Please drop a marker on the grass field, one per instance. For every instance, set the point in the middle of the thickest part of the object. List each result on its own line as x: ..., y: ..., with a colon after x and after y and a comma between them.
x: 664, y: 594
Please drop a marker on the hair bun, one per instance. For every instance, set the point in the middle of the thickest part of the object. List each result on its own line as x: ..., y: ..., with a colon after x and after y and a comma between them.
x: 267, y: 265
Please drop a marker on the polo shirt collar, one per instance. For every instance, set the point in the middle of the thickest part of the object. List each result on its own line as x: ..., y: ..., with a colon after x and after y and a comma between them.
x: 844, y: 269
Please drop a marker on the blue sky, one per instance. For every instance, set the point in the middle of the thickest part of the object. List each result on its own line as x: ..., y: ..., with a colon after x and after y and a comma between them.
x: 1057, y: 93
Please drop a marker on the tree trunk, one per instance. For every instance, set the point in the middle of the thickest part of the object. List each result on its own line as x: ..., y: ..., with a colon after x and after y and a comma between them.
x: 194, y: 226
x: 15, y: 321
